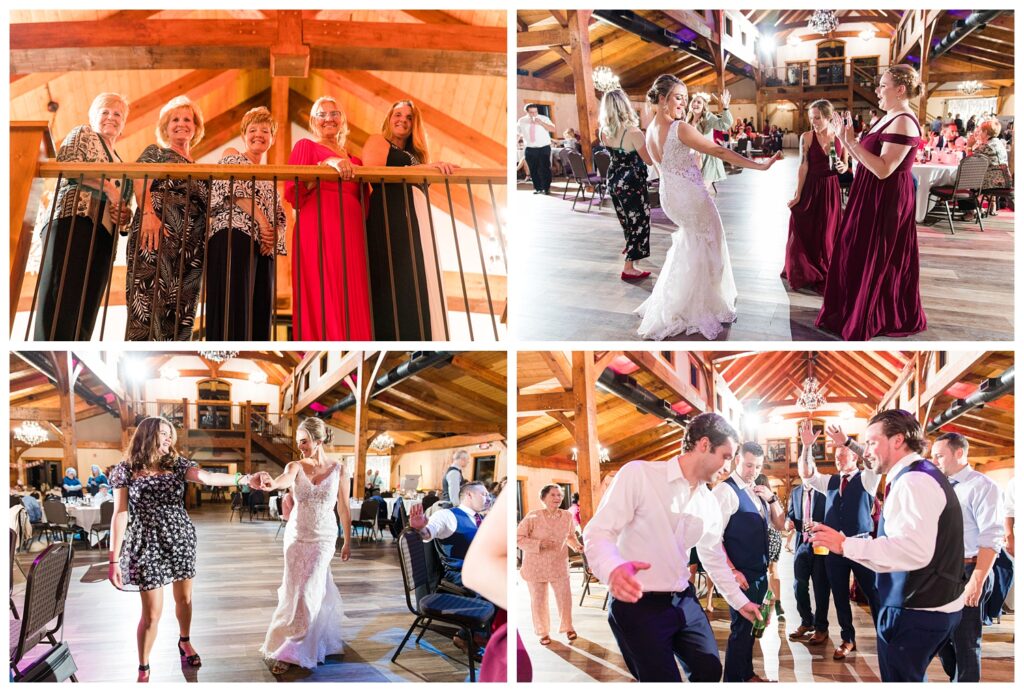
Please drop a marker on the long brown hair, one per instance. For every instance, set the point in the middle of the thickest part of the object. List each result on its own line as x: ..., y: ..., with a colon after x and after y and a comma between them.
x: 144, y: 449
x: 417, y: 142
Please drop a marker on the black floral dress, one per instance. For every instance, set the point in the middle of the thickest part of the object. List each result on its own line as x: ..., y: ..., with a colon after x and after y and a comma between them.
x: 627, y: 185
x: 160, y: 544
x: 168, y: 312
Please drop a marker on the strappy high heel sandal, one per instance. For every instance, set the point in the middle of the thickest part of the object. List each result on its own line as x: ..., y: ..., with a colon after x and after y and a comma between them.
x: 280, y: 668
x: 143, y: 669
x: 192, y: 660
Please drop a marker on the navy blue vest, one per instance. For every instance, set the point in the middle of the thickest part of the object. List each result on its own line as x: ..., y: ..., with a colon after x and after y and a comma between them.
x: 455, y: 546
x: 851, y: 511
x: 796, y: 511
x: 746, y: 535
x: 942, y: 579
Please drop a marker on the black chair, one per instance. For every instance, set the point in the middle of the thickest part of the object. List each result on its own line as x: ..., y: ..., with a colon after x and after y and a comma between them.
x: 258, y: 504
x: 103, y: 525
x: 583, y: 180
x: 398, y: 520
x: 588, y: 579
x: 995, y: 194
x: 970, y: 178
x: 236, y: 505
x: 465, y: 614
x: 602, y: 160
x: 59, y: 520
x: 756, y: 147
x: 367, y: 520
x: 46, y: 591
x: 10, y: 590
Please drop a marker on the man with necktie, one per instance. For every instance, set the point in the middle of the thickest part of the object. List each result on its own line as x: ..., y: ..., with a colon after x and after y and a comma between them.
x: 638, y: 543
x: 849, y: 501
x: 536, y: 130
x: 918, y: 555
x: 807, y: 507
x: 454, y: 529
x: 981, y: 505
x: 746, y: 511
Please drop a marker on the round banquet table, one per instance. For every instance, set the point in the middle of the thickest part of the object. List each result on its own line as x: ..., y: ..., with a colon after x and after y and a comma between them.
x: 790, y: 140
x: 84, y: 516
x: 928, y: 175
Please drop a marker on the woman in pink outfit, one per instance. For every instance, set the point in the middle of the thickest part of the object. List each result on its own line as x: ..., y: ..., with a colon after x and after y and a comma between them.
x: 543, y: 535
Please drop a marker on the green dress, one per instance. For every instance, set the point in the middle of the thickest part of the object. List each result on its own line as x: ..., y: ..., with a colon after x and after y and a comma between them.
x: 711, y: 167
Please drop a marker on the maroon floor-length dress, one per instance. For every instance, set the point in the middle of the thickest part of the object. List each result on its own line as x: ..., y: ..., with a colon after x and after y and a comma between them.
x: 873, y: 282
x: 814, y: 222
x: 335, y: 277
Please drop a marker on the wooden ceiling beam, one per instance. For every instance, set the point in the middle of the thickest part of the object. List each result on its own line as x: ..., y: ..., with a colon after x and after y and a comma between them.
x: 224, y: 127
x: 435, y: 17
x: 435, y: 426
x: 447, y: 443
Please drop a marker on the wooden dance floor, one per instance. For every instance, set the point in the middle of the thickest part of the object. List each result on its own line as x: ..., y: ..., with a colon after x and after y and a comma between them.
x: 567, y: 283
x: 239, y: 571
x: 595, y: 657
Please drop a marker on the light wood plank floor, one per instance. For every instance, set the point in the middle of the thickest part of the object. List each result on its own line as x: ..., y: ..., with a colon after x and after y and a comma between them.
x: 567, y: 284
x: 594, y: 656
x: 239, y: 570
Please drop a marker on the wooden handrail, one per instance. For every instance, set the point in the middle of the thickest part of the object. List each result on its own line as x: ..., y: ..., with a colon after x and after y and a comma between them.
x: 368, y: 174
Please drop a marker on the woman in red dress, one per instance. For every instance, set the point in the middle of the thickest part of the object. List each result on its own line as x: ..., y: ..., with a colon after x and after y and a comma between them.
x: 873, y: 283
x: 817, y: 205
x: 330, y: 290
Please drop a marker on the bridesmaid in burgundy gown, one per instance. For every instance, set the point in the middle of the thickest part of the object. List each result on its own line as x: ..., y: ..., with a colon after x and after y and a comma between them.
x: 817, y: 206
x: 873, y: 283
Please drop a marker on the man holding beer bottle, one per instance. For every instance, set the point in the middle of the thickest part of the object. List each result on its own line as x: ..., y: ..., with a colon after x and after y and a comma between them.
x: 849, y: 501
x: 746, y: 511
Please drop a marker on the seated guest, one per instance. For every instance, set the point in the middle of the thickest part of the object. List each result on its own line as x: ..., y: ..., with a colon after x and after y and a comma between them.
x: 454, y: 529
x: 102, y: 495
x: 71, y: 486
x: 96, y: 479
x: 32, y: 506
x: 988, y: 144
x: 430, y: 499
x: 919, y: 552
x: 981, y: 505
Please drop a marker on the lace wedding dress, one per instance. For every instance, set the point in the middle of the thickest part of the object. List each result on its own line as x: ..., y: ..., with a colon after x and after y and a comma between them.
x: 695, y: 291
x: 306, y: 627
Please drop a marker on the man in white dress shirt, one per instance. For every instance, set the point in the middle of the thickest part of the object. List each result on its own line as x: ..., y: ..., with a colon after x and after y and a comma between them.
x: 747, y: 510
x: 918, y: 555
x: 454, y: 529
x: 536, y: 130
x: 981, y: 504
x: 639, y: 542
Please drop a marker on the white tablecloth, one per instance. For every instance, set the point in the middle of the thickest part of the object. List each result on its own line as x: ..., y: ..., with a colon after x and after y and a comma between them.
x: 85, y: 517
x: 929, y: 174
x: 790, y: 140
x: 354, y: 504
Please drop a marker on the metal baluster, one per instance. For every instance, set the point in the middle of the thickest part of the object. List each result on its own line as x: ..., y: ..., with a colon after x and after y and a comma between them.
x: 320, y: 246
x: 113, y: 256
x: 458, y: 256
x: 64, y: 264
x: 154, y: 313
x: 231, y: 245
x: 206, y: 253
x: 391, y: 266
x: 346, y: 307
x: 273, y: 273
x: 498, y: 226
x: 366, y: 255
x: 297, y: 282
x: 483, y: 262
x: 88, y: 265
x: 252, y: 265
x: 129, y: 288
x: 46, y: 244
x: 406, y: 192
x: 181, y: 255
x: 437, y: 262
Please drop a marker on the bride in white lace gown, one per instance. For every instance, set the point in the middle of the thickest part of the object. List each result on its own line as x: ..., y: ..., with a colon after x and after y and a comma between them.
x: 695, y: 290
x: 306, y: 626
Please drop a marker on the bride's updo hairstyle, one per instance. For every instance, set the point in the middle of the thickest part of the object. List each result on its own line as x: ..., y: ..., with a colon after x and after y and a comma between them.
x: 661, y: 88
x: 316, y: 429
x: 907, y: 77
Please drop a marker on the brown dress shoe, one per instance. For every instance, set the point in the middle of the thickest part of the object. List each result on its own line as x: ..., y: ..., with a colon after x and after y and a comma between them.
x: 817, y: 638
x: 843, y: 650
x: 799, y: 633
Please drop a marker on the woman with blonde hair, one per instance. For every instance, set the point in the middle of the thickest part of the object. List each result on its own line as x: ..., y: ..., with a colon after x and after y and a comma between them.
x: 306, y: 626
x: 873, y: 287
x: 706, y: 122
x: 816, y: 209
x: 152, y: 540
x: 80, y: 243
x: 167, y: 237
x: 329, y: 284
x: 247, y: 230
x: 403, y: 283
x: 627, y: 177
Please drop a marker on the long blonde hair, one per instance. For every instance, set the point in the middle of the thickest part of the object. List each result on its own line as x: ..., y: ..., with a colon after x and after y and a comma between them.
x: 417, y: 142
x: 617, y: 114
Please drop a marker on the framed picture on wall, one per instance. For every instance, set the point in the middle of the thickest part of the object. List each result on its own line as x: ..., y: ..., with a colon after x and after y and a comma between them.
x: 778, y: 451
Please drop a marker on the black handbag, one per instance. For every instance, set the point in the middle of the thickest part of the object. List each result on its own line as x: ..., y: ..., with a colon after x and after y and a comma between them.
x: 56, y: 665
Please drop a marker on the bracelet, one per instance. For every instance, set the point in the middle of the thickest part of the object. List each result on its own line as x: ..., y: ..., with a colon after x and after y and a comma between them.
x: 238, y: 474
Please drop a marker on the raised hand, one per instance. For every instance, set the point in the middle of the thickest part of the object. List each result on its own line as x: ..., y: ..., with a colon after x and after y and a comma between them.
x: 623, y: 582
x: 807, y: 434
x: 725, y: 98
x: 836, y: 434
x: 417, y: 519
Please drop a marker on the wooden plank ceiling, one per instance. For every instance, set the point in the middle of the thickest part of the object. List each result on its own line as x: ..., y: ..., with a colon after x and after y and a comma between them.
x: 463, y: 399
x: 990, y: 427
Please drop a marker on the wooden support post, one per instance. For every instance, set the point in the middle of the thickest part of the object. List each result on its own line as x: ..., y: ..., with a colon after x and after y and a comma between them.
x: 66, y: 377
x: 926, y: 47
x: 588, y: 462
x: 30, y: 142
x: 279, y: 88
x: 583, y: 78
x: 364, y: 383
x: 247, y: 426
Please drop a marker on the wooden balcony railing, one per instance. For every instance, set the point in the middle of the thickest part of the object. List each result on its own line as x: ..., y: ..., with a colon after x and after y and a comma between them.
x: 461, y: 248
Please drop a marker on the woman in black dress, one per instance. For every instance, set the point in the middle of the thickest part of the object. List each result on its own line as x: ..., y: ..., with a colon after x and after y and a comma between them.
x: 168, y: 230
x: 153, y: 542
x: 627, y: 178
x: 398, y: 273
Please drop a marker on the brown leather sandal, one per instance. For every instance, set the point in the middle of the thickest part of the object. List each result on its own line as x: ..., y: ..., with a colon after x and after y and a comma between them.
x: 545, y: 640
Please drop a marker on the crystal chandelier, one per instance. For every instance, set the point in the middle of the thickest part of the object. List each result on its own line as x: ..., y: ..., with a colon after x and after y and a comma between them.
x: 382, y: 443
x: 810, y: 397
x: 31, y: 433
x: 969, y: 88
x: 605, y: 80
x: 218, y: 356
x: 603, y: 455
x: 823, y: 21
